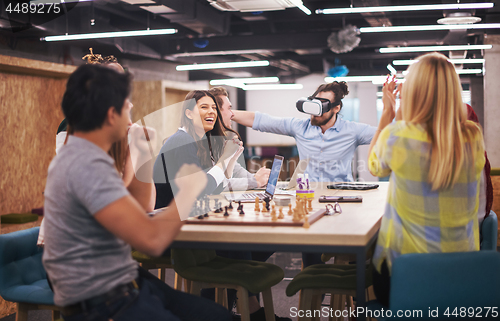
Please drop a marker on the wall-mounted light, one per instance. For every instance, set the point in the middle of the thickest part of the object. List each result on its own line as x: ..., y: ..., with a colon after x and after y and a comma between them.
x: 434, y: 48
x: 429, y: 27
x: 455, y: 6
x: 392, y: 69
x: 115, y: 34
x: 221, y: 65
x: 453, y: 61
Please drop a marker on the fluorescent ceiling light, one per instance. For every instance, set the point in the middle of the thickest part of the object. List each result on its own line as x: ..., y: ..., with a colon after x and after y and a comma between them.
x: 220, y: 65
x: 272, y: 87
x: 242, y: 81
x: 151, y: 32
x: 301, y: 6
x: 434, y: 48
x: 469, y: 71
x: 355, y: 78
x: 392, y: 69
x: 429, y: 27
x: 455, y: 6
x: 453, y: 61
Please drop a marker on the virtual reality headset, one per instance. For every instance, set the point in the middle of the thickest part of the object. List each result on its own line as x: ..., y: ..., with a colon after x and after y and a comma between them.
x: 314, y: 106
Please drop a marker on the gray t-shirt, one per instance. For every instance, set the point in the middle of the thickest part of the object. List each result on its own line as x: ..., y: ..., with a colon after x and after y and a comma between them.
x: 81, y: 257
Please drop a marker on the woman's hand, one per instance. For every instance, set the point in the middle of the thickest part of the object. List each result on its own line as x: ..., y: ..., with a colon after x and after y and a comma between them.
x: 262, y: 176
x: 389, y: 91
x: 232, y: 150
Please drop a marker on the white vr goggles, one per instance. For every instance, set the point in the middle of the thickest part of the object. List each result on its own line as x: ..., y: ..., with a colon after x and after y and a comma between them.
x: 315, y: 106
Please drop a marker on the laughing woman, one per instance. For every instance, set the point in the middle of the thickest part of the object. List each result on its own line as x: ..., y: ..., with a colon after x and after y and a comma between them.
x: 202, y: 141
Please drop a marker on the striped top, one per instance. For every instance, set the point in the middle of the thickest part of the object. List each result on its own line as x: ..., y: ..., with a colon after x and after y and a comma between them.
x: 416, y: 218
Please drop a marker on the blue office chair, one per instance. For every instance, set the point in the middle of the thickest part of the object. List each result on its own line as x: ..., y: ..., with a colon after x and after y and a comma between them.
x: 22, y: 277
x: 489, y: 232
x: 429, y: 281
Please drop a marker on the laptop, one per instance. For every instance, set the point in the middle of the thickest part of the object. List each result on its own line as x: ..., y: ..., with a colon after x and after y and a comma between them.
x: 300, y: 169
x: 249, y: 197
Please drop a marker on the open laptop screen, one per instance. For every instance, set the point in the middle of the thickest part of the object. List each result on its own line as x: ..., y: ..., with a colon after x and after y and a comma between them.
x: 274, y: 175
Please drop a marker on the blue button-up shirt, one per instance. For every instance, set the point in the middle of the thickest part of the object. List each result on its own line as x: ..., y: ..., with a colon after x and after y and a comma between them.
x: 330, y: 154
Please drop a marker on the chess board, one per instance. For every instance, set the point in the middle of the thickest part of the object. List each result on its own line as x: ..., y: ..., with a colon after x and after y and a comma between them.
x: 253, y: 218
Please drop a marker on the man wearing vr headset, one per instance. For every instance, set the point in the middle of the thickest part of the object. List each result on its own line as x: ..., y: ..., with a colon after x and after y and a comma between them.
x: 326, y: 139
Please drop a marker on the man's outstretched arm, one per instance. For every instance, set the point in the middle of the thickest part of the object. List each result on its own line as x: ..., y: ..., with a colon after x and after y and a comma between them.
x: 243, y: 117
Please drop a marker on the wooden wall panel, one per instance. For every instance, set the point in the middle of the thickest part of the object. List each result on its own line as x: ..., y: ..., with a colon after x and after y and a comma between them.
x: 158, y: 107
x: 30, y: 113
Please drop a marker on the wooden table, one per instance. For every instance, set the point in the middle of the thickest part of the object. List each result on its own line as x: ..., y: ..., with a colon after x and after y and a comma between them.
x: 353, y: 231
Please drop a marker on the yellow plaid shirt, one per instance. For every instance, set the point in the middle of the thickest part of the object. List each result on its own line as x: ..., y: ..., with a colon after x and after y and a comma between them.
x: 417, y: 219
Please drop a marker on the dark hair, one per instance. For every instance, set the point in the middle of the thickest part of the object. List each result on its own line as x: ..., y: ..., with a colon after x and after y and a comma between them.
x: 215, y: 137
x: 339, y: 89
x: 90, y: 92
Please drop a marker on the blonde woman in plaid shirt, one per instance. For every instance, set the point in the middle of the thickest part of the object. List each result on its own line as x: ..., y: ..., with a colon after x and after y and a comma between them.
x: 434, y: 157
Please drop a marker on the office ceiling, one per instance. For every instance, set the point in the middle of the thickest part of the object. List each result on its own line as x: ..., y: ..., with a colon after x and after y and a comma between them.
x: 295, y: 43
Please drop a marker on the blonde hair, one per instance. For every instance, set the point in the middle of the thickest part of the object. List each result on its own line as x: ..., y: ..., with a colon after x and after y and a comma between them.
x: 432, y: 95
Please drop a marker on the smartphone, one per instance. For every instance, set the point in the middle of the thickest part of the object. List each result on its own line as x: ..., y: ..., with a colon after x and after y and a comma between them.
x: 340, y: 199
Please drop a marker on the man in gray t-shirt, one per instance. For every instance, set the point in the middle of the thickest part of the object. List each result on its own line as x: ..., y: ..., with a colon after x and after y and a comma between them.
x: 82, y: 180
x: 92, y: 221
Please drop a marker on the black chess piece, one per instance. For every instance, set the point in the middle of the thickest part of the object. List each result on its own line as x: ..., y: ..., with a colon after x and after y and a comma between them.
x: 225, y: 212
x: 242, y: 212
x: 267, y: 200
x: 206, y: 215
x: 240, y: 206
x: 200, y: 217
x: 230, y: 205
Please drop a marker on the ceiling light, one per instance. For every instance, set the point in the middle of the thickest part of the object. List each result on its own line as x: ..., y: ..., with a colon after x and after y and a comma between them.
x: 301, y: 6
x: 456, y: 18
x: 455, y: 6
x: 469, y: 71
x: 429, y: 27
x: 272, y: 87
x: 220, y: 65
x: 391, y: 69
x: 434, y: 48
x: 150, y: 32
x: 453, y: 61
x: 355, y: 78
x: 242, y: 81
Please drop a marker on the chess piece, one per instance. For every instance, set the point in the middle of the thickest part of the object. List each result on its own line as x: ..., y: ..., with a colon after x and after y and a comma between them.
x: 200, y: 217
x: 306, y: 222
x: 230, y: 205
x: 281, y: 215
x: 267, y: 200
x: 257, y: 206
x: 290, y: 211
x: 206, y: 215
x: 273, y: 211
x: 241, y: 211
x: 265, y: 205
x: 273, y: 215
x: 240, y: 206
x: 225, y: 212
x: 309, y: 202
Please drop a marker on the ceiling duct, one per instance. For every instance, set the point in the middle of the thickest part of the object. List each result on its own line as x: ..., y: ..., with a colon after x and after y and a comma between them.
x: 253, y: 5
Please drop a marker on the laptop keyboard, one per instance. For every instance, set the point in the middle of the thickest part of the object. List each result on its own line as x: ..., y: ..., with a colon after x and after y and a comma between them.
x: 261, y: 196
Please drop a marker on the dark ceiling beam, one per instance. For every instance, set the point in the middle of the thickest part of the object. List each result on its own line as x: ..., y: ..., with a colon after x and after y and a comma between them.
x: 255, y: 42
